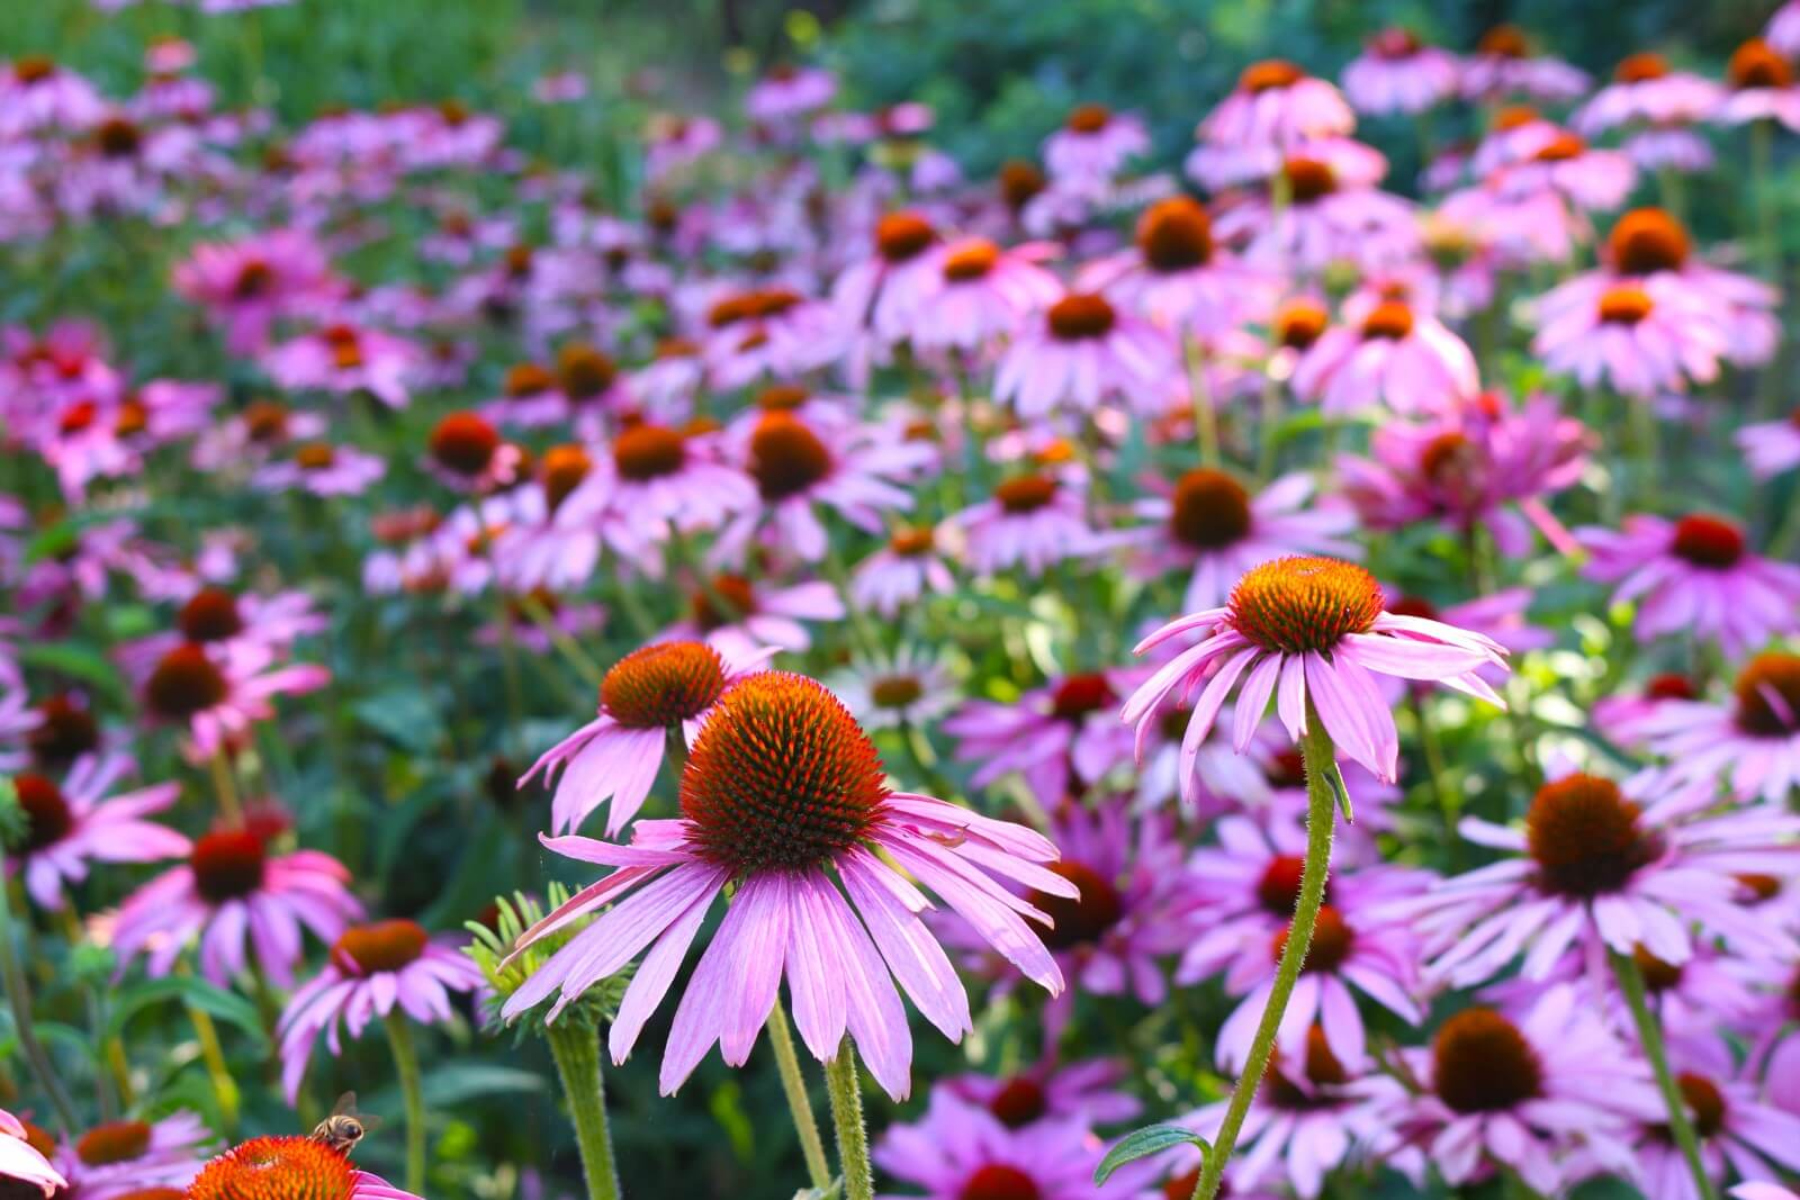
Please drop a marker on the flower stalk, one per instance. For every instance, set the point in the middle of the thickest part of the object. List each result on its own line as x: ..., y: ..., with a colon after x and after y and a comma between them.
x: 1321, y: 813
x: 847, y: 1114
x: 576, y: 1049
x: 793, y: 1083
x: 1681, y: 1124
x: 412, y: 1096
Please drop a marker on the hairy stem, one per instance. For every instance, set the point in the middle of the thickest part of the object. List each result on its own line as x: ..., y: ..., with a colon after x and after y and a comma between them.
x: 847, y: 1114
x: 406, y: 1066
x: 794, y: 1084
x: 576, y: 1049
x: 1681, y: 1125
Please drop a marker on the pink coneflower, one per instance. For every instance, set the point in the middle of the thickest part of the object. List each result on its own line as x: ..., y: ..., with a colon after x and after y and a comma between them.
x: 1033, y: 521
x: 1397, y: 73
x: 1585, y: 176
x: 1082, y: 351
x: 110, y: 1161
x: 1054, y: 736
x: 1520, y: 1095
x: 783, y: 791
x: 261, y: 429
x: 530, y: 614
x: 1646, y: 90
x: 468, y: 454
x: 373, y: 970
x: 1487, y: 464
x: 1739, y: 1131
x: 249, y: 284
x: 1302, y: 1125
x: 787, y: 92
x: 20, y: 1162
x: 797, y: 465
x: 772, y: 331
x: 80, y: 821
x: 1641, y: 339
x: 885, y: 290
x: 1602, y: 866
x: 217, y: 616
x: 1316, y: 626
x: 344, y: 359
x: 1504, y: 64
x: 901, y: 573
x: 1623, y: 717
x: 1405, y: 359
x: 290, y: 1166
x: 1086, y: 1090
x: 1335, y: 213
x: 322, y: 468
x: 1177, y: 277
x: 958, y: 1151
x: 1219, y: 778
x: 1751, y: 745
x: 654, y: 693
x: 741, y: 619
x: 1771, y: 447
x: 656, y: 482
x: 985, y: 294
x: 233, y: 896
x: 1761, y: 87
x: 1277, y: 104
x: 675, y: 140
x: 1093, y: 144
x: 39, y: 95
x: 218, y: 694
x: 1698, y: 576
x: 1210, y: 526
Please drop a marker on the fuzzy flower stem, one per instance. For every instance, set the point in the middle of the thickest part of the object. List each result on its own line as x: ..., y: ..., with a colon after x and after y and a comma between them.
x: 226, y: 788
x: 1321, y: 812
x: 793, y: 1083
x: 847, y: 1113
x: 1681, y: 1125
x: 18, y: 995
x: 406, y: 1066
x: 576, y: 1049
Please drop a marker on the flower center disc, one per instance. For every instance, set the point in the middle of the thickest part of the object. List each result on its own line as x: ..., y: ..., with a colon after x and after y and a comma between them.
x: 903, y: 236
x: 66, y: 731
x: 1211, y: 510
x: 1504, y: 41
x: 379, y: 946
x: 1331, y: 945
x: 185, y: 682
x: 211, y: 615
x: 1481, y: 1063
x: 1391, y: 320
x: 1085, y: 919
x: 228, y: 865
x: 1088, y: 118
x: 782, y: 397
x: 971, y: 260
x: 1079, y: 317
x: 1708, y: 541
x: 1175, y: 234
x: 781, y: 777
x: 1269, y: 74
x: 1079, y: 695
x: 1025, y: 493
x: 1299, y: 324
x: 1302, y: 605
x: 896, y: 691
x: 1019, y: 182
x: 113, y: 1142
x: 527, y: 379
x: 1585, y: 837
x: 1756, y: 64
x: 1659, y: 976
x: 1706, y: 1106
x: 645, y: 452
x: 1020, y: 1102
x: 1767, y: 686
x: 1645, y: 241
x: 1278, y: 891
x: 583, y: 371
x: 1625, y: 306
x: 563, y: 470
x: 998, y: 1181
x: 1323, y: 1070
x: 1309, y: 179
x: 464, y: 443
x: 47, y: 816
x: 913, y: 543
x: 736, y: 593
x: 786, y: 458
x: 661, y: 685
x: 276, y: 1168
x: 1641, y: 68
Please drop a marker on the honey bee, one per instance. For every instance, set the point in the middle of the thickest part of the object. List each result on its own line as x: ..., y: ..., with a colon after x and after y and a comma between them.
x: 345, y: 1127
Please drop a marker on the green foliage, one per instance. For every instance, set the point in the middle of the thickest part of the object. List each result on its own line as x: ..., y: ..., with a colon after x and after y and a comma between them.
x: 506, y: 968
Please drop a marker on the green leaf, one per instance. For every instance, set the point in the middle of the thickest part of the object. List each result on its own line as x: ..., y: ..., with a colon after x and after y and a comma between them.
x: 834, y: 1192
x: 214, y: 1002
x: 1142, y: 1143
x: 1335, y: 778
x: 406, y: 717
x: 75, y: 660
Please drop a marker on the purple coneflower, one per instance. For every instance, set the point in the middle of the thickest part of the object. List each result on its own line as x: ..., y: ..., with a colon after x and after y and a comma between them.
x: 1081, y: 352
x: 109, y: 1161
x: 1276, y: 103
x: 783, y: 792
x: 958, y: 1151
x: 901, y: 573
x: 20, y: 1162
x: 323, y: 469
x: 1179, y: 278
x: 1086, y: 1090
x: 986, y: 294
x: 219, y: 692
x: 1033, y: 521
x: 1504, y: 63
x: 1762, y: 87
x: 1771, y: 447
x: 1740, y: 1133
x: 1408, y: 360
x: 289, y: 1166
x: 1309, y: 632
x: 344, y: 359
x: 1751, y: 745
x: 742, y: 619
x: 1397, y: 73
x: 82, y: 821
x: 1053, y: 736
x: 1093, y: 144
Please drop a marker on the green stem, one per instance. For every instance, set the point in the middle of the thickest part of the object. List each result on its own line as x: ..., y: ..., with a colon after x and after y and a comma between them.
x: 847, y: 1114
x: 212, y: 1053
x: 570, y: 649
x: 226, y: 788
x: 18, y: 995
x: 794, y: 1084
x: 1681, y: 1125
x: 576, y: 1049
x: 1206, y: 419
x: 1321, y: 811
x: 406, y: 1066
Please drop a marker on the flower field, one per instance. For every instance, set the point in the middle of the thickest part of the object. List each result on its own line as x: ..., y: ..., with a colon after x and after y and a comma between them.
x: 581, y: 619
